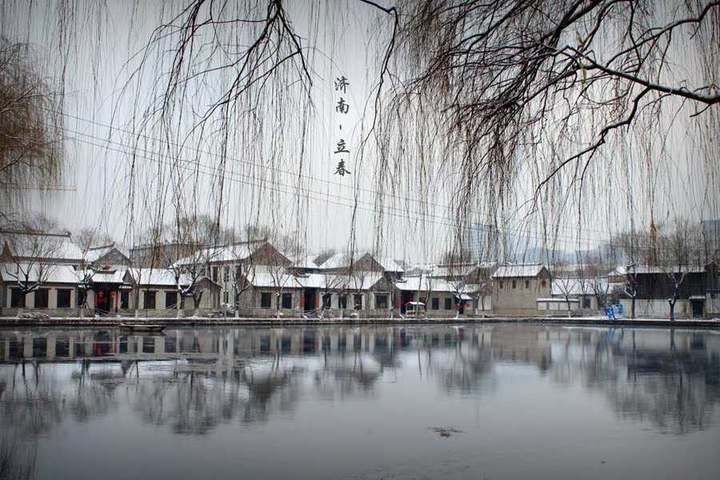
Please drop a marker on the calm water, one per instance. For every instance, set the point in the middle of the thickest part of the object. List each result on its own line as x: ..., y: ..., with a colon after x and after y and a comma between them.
x: 485, y: 402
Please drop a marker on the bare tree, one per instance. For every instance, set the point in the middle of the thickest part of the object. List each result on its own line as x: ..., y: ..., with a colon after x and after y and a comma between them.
x: 678, y: 254
x: 566, y: 284
x: 189, y: 272
x: 29, y: 253
x: 597, y: 283
x: 278, y: 265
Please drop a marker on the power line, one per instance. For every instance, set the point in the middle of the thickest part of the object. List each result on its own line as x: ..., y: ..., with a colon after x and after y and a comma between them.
x: 291, y: 173
x: 252, y: 181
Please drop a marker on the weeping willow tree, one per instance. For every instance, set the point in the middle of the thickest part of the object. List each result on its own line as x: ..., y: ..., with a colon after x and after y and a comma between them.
x: 553, y: 110
x: 31, y: 151
x: 539, y: 121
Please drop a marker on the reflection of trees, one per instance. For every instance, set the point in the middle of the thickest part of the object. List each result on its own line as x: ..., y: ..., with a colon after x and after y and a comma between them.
x: 466, y: 372
x: 675, y: 390
x: 348, y: 375
x: 17, y: 455
x: 670, y: 380
x: 193, y: 399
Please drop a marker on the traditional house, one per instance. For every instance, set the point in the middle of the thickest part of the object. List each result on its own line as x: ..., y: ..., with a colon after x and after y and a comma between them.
x: 155, y: 293
x: 367, y: 293
x: 516, y: 289
x: 269, y: 292
x: 574, y: 296
x: 227, y: 265
x: 38, y: 272
x: 475, y: 279
x: 442, y: 298
x: 39, y: 247
x: 49, y: 289
x: 653, y: 286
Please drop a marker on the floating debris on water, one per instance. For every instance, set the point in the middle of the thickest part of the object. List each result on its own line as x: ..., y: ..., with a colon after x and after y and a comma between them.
x: 445, y: 432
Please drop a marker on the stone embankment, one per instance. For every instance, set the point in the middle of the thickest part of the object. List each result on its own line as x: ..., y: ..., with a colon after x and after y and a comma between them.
x: 111, y: 322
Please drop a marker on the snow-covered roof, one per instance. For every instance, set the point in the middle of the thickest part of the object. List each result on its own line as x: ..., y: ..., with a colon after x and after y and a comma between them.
x: 111, y: 275
x: 336, y: 260
x: 358, y: 281
x: 390, y: 265
x: 36, y: 245
x: 650, y: 269
x: 424, y: 283
x: 51, y: 273
x: 265, y: 278
x: 518, y: 271
x: 305, y: 261
x: 157, y: 276
x: 458, y: 269
x: 342, y: 260
x: 95, y: 253
x: 224, y: 253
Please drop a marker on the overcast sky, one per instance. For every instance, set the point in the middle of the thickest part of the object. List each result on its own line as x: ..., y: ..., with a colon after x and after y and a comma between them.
x: 98, y: 49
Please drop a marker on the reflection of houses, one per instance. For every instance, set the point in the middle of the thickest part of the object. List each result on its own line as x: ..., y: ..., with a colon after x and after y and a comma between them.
x: 516, y: 289
x: 655, y: 285
x: 522, y: 344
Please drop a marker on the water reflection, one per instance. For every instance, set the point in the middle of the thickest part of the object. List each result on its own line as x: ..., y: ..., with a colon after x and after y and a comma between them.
x: 191, y: 381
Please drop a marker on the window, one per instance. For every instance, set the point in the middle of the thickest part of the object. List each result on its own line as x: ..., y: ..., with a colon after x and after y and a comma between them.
x: 226, y: 275
x: 63, y: 298
x: 327, y: 300
x: 149, y: 299
x: 342, y: 302
x: 586, y: 302
x: 17, y: 298
x: 381, y: 301
x: 226, y: 296
x: 170, y: 300
x: 543, y: 283
x: 435, y: 303
x: 448, y: 303
x: 124, y: 300
x: 238, y: 272
x: 41, y: 298
x: 501, y: 285
x: 287, y: 300
x: 514, y: 284
x: 527, y: 283
x: 215, y: 274
x: 357, y: 301
x: 265, y: 299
